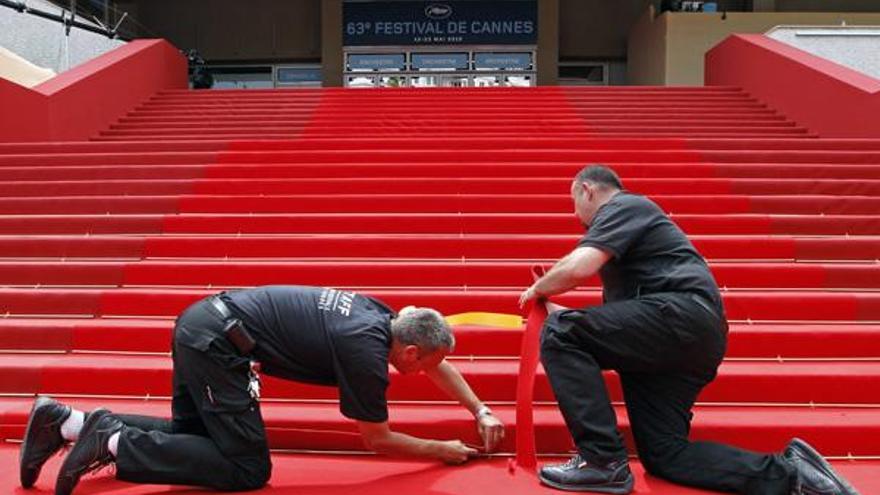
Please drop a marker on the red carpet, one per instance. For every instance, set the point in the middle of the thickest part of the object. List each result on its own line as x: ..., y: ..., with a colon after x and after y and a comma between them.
x: 295, y: 474
x: 103, y: 242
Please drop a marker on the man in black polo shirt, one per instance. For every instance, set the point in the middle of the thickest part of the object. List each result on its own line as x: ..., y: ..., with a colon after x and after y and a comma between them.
x: 662, y: 328
x: 216, y: 437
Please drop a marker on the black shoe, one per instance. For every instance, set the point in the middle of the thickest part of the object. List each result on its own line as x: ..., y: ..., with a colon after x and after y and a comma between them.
x: 814, y: 476
x: 577, y: 475
x: 90, y: 452
x: 42, y: 438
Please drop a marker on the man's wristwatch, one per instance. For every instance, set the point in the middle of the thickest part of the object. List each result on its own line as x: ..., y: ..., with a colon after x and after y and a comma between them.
x: 482, y: 411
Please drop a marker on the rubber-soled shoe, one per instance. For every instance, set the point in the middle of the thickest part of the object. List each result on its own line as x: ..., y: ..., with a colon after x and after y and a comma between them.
x: 814, y: 476
x: 42, y: 438
x: 578, y: 475
x: 90, y: 452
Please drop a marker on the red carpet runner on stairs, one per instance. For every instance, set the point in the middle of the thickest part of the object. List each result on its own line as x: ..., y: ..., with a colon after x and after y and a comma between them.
x: 442, y: 198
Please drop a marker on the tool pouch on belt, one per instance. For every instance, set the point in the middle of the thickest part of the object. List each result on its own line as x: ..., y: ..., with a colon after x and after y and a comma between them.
x: 238, y: 335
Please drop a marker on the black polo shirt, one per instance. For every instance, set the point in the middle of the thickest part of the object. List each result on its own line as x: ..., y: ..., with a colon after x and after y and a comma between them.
x: 649, y: 253
x: 322, y: 336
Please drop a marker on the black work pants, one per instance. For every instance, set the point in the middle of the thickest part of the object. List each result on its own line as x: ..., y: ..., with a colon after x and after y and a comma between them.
x: 665, y: 348
x: 216, y: 437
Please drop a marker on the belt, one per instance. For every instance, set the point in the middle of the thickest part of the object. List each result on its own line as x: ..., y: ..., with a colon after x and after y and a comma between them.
x: 233, y: 328
x: 221, y: 307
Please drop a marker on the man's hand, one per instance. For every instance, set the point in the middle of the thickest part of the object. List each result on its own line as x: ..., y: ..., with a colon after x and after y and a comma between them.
x: 527, y: 296
x: 454, y: 452
x: 491, y: 430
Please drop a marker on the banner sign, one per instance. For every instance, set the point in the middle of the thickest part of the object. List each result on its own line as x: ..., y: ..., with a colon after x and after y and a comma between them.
x: 454, y: 22
x: 298, y: 75
x: 391, y: 61
x: 503, y: 61
x: 421, y: 61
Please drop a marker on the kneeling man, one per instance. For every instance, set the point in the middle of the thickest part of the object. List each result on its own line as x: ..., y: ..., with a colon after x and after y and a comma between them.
x: 216, y: 437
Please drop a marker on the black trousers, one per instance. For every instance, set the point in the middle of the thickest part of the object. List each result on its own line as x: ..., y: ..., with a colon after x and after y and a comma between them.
x: 216, y: 437
x: 665, y: 348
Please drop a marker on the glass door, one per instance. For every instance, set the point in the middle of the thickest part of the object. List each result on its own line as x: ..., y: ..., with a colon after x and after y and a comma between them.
x: 488, y: 80
x: 454, y: 81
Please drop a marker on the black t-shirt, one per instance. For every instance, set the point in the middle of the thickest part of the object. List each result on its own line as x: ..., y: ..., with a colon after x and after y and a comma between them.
x: 649, y: 253
x: 323, y: 336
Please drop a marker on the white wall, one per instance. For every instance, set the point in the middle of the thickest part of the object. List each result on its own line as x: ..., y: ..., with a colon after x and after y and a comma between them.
x: 856, y: 47
x: 42, y: 42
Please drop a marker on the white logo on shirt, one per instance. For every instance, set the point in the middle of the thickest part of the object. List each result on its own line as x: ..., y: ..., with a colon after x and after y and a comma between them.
x: 336, y: 300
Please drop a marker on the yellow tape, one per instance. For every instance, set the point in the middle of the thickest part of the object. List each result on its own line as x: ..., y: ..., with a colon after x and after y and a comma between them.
x: 486, y: 319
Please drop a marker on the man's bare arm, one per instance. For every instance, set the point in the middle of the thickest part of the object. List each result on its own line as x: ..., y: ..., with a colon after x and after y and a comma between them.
x: 379, y: 438
x: 572, y: 270
x: 449, y: 380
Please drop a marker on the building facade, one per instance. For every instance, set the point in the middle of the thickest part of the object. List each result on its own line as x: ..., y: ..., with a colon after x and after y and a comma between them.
x: 402, y: 43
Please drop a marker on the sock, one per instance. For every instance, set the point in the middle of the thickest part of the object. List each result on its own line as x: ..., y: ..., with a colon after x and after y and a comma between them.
x: 113, y: 443
x: 71, y: 426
